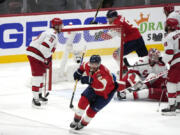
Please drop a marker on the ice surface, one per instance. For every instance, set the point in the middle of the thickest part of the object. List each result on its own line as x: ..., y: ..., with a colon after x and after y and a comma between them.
x: 17, y: 117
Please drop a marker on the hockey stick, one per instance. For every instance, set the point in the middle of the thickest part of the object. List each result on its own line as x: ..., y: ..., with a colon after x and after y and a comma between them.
x: 147, y: 79
x: 45, y: 77
x: 97, y: 11
x: 128, y: 65
x: 74, y: 90
x: 159, y: 103
x: 46, y: 94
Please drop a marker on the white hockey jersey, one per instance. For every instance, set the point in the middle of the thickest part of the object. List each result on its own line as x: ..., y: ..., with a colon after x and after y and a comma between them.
x: 44, y: 45
x: 175, y: 15
x: 172, y: 48
x: 144, y: 71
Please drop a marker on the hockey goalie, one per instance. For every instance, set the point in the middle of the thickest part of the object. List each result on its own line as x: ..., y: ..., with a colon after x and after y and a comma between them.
x: 68, y: 66
x: 154, y: 89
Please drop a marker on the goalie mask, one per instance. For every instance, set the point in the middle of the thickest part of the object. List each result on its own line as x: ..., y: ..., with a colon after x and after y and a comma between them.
x: 94, y: 63
x: 154, y: 56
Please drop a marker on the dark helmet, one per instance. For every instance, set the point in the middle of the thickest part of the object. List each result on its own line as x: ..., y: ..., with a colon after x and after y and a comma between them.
x: 111, y: 14
x: 95, y: 59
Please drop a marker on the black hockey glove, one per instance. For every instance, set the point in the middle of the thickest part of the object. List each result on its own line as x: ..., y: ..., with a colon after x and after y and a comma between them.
x: 86, y: 80
x: 47, y: 62
x: 98, y: 35
x: 78, y: 74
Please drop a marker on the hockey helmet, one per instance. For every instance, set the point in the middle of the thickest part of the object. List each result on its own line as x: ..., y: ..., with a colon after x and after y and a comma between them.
x: 111, y: 14
x: 168, y: 9
x: 154, y: 55
x: 55, y: 22
x: 95, y: 61
x: 172, y: 23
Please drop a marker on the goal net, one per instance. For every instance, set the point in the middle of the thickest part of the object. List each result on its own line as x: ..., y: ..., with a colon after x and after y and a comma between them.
x: 91, y: 39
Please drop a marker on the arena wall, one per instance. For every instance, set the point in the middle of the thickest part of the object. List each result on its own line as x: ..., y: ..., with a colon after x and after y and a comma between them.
x: 17, y: 31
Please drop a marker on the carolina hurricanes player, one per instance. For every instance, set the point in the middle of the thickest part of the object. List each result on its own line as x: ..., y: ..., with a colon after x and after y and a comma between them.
x: 39, y: 54
x: 172, y: 57
x: 149, y: 90
x: 133, y: 40
x: 101, y: 88
x: 171, y: 13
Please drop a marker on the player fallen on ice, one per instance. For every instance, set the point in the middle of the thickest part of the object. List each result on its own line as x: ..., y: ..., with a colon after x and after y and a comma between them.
x: 39, y: 54
x: 172, y: 57
x: 101, y: 87
x: 152, y: 90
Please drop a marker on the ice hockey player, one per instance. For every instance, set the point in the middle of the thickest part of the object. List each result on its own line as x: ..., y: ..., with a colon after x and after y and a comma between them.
x: 168, y: 9
x: 150, y: 90
x: 170, y: 12
x: 133, y: 41
x: 101, y: 88
x: 39, y: 54
x: 172, y: 57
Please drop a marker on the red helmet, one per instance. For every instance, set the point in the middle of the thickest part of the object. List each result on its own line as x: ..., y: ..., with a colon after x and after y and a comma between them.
x: 154, y: 55
x: 168, y: 8
x: 56, y: 21
x: 172, y: 23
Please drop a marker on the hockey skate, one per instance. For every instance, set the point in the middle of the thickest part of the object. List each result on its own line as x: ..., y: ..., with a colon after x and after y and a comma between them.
x: 79, y: 126
x: 169, y: 111
x: 42, y: 99
x: 73, y: 124
x: 36, y: 103
x: 178, y: 107
x: 121, y: 95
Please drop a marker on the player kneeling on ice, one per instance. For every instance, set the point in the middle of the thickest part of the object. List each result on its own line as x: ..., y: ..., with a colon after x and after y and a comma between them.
x: 39, y: 54
x: 154, y: 89
x: 101, y: 87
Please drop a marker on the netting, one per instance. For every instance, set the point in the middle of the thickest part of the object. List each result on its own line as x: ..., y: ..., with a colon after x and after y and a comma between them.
x: 91, y: 39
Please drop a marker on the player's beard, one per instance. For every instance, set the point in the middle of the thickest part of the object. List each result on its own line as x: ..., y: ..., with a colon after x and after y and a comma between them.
x: 93, y: 70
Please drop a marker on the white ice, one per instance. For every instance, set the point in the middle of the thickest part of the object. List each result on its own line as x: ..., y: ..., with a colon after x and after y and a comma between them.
x: 17, y: 117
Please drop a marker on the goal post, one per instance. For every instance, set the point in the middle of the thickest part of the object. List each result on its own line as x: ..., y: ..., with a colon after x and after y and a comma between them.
x: 86, y: 35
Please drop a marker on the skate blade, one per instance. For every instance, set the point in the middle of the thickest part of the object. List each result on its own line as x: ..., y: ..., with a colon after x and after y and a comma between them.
x: 43, y: 102
x: 177, y: 110
x: 36, y: 107
x: 168, y: 113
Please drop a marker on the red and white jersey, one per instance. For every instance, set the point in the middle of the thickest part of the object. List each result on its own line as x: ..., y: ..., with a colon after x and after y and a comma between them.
x: 172, y: 48
x: 103, y: 82
x: 44, y: 45
x: 175, y: 15
x: 144, y: 71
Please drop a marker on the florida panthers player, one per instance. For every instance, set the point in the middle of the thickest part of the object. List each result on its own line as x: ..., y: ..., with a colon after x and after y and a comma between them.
x: 101, y: 88
x: 150, y: 90
x: 133, y: 40
x: 39, y: 54
x: 172, y: 57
